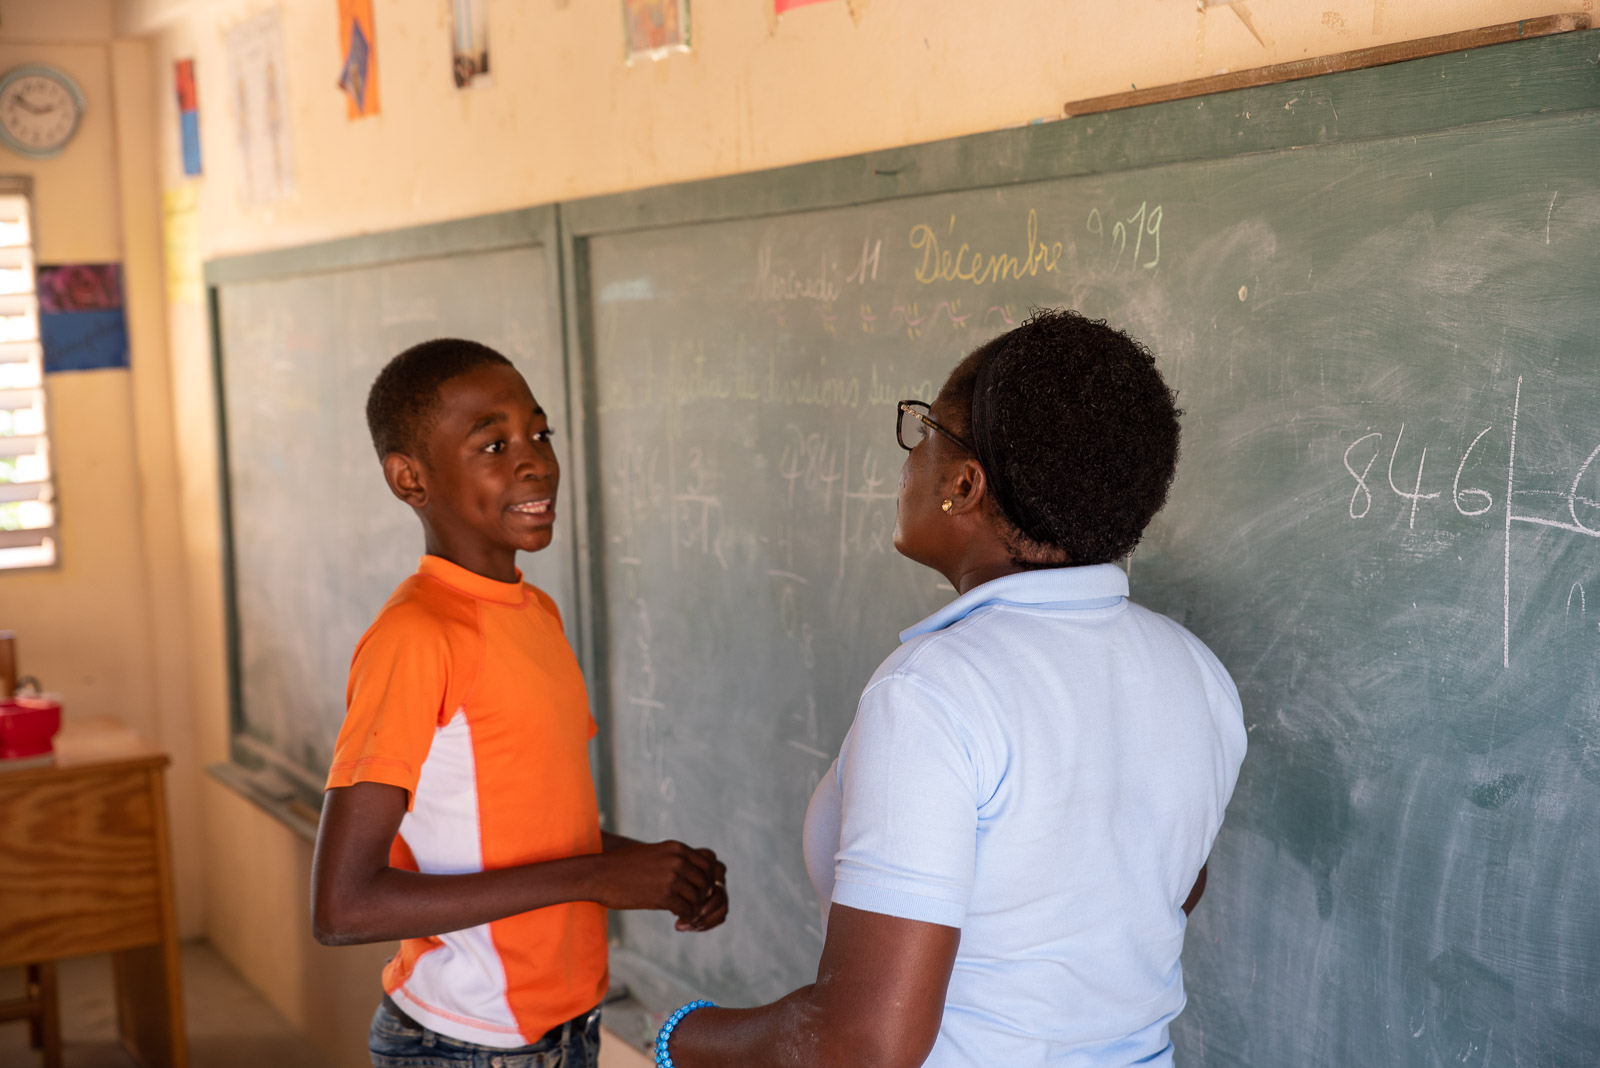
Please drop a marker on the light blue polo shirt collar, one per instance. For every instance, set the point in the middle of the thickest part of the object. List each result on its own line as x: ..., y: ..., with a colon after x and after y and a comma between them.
x: 1066, y: 588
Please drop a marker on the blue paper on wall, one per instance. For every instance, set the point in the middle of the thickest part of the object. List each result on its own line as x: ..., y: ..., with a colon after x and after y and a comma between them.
x: 189, y: 132
x: 81, y: 321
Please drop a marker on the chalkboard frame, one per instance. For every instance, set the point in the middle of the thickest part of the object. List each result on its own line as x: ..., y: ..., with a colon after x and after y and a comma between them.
x: 273, y: 784
x: 1501, y: 83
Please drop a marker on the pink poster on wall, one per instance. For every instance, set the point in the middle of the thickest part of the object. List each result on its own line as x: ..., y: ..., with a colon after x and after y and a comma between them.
x: 780, y: 6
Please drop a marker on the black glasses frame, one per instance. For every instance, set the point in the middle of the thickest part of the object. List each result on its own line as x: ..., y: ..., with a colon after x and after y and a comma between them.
x: 921, y: 411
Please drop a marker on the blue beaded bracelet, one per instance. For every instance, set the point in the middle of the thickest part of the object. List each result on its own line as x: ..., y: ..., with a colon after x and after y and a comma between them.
x: 663, y: 1058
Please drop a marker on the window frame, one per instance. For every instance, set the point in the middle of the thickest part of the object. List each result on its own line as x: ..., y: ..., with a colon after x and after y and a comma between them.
x: 46, y: 538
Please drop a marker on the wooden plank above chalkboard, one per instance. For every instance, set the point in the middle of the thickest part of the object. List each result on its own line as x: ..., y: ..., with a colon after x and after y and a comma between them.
x: 1358, y: 59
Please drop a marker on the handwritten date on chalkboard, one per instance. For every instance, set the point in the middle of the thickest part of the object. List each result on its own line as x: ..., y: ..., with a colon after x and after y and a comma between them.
x: 950, y: 262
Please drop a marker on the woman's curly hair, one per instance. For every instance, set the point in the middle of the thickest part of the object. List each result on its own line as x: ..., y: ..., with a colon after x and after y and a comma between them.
x: 1078, y: 436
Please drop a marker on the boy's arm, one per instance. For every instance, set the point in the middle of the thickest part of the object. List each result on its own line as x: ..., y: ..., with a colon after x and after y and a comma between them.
x: 609, y: 841
x: 357, y: 897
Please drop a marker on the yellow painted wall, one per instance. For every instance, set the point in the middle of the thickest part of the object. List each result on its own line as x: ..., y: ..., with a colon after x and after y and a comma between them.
x: 100, y: 628
x: 566, y: 117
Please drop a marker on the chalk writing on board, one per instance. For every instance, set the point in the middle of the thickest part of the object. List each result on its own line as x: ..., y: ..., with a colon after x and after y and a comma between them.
x: 642, y: 697
x: 873, y: 529
x: 697, y: 516
x: 698, y: 379
x: 957, y: 314
x: 775, y: 284
x: 809, y: 460
x: 1144, y: 221
x: 950, y: 265
x: 792, y: 285
x: 1579, y: 510
x: 823, y: 391
x: 867, y: 269
x: 1134, y: 241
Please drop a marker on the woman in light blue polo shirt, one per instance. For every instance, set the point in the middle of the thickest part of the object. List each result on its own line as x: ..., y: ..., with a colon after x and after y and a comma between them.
x: 1017, y: 825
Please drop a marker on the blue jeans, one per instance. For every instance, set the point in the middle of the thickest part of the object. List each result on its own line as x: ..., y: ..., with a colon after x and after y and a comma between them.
x: 396, y: 1041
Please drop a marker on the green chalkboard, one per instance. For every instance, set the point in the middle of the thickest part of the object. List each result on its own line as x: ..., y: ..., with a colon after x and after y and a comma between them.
x: 1375, y: 294
x: 316, y: 542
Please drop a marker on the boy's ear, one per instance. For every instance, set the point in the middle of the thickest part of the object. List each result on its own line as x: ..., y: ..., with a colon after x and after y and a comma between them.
x: 404, y: 475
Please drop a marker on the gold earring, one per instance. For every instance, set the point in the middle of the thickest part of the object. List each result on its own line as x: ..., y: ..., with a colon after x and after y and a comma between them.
x: 948, y: 504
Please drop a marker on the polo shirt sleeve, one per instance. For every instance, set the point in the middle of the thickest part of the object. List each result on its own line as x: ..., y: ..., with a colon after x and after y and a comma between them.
x: 908, y: 778
x: 399, y: 686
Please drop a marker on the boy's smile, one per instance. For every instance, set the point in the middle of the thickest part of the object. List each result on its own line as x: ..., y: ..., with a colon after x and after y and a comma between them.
x: 485, y: 484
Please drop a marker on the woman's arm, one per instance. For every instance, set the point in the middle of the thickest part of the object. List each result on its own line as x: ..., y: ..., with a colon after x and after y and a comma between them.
x: 877, y: 1003
x: 357, y: 897
x: 1194, y: 895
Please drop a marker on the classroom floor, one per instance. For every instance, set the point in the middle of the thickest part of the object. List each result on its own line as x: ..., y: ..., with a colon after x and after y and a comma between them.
x: 230, y: 1025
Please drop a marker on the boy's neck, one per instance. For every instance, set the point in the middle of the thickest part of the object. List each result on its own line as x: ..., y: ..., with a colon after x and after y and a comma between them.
x: 496, y: 564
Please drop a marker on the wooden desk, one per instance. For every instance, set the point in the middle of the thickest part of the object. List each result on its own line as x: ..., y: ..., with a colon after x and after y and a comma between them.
x: 85, y: 867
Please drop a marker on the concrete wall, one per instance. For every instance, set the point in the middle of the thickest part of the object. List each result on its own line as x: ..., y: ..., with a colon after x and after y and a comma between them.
x: 566, y: 117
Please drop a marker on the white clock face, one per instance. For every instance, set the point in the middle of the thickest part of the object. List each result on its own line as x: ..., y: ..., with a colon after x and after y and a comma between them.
x: 39, y: 113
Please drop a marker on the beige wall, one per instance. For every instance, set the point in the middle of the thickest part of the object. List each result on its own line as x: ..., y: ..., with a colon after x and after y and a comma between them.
x: 565, y: 118
x: 104, y: 627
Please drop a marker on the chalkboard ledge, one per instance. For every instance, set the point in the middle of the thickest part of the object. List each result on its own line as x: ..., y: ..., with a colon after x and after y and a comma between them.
x: 651, y: 993
x: 295, y: 814
x: 630, y: 1021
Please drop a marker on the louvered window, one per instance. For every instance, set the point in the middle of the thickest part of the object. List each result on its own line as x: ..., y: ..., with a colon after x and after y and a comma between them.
x: 27, y: 490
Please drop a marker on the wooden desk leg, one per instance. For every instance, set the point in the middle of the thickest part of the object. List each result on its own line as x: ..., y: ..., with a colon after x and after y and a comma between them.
x: 150, y: 1006
x: 149, y: 979
x: 30, y: 992
x: 44, y: 1019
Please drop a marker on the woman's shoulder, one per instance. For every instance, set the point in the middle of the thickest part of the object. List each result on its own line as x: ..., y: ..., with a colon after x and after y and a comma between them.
x: 939, y: 668
x: 1196, y: 648
x: 914, y: 659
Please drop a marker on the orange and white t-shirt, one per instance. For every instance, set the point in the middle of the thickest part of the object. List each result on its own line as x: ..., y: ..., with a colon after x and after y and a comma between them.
x: 465, y: 693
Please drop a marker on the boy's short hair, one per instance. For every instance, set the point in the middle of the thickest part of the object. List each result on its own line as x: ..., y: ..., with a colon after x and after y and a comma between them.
x: 401, y: 402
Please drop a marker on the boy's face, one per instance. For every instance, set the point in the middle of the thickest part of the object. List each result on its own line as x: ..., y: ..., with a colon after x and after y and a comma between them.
x: 487, y: 487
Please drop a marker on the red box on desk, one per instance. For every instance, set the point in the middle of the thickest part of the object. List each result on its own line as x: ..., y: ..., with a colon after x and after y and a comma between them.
x: 27, y: 725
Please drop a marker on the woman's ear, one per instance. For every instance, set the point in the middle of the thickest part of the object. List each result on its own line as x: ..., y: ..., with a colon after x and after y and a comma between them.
x: 967, y: 488
x: 405, y: 478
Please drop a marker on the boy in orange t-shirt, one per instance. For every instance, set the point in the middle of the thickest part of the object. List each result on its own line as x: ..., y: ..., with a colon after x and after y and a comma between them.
x: 460, y: 815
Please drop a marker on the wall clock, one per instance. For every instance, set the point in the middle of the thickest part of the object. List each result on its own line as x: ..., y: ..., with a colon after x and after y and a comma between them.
x: 40, y: 109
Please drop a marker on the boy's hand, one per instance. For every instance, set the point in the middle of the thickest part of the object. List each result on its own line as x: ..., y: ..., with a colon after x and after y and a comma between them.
x: 658, y: 875
x: 714, y: 908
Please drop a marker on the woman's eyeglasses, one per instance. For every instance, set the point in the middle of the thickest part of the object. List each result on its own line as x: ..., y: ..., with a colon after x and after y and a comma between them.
x: 922, y: 424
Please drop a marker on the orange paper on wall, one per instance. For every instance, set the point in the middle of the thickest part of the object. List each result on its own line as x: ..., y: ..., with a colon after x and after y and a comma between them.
x: 358, y: 49
x: 655, y: 27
